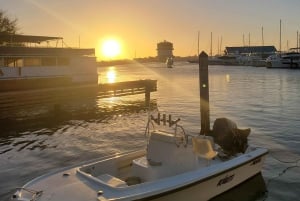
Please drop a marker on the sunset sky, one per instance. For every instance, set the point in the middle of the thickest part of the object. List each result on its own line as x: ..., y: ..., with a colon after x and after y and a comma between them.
x: 138, y: 25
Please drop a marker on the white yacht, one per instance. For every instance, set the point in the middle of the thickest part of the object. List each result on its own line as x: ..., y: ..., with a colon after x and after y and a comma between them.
x: 170, y: 62
x: 289, y: 59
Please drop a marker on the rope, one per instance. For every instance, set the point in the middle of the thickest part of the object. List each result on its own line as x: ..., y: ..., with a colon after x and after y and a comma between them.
x: 296, y: 165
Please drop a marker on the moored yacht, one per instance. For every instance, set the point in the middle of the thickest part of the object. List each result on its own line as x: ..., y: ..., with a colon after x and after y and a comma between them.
x: 289, y: 59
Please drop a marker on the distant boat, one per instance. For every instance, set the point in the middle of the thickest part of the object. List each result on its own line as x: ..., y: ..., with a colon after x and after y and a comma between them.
x: 289, y: 59
x: 170, y: 62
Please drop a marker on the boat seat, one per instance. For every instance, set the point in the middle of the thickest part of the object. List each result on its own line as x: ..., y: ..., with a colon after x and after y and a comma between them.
x: 112, y: 181
x: 203, y: 148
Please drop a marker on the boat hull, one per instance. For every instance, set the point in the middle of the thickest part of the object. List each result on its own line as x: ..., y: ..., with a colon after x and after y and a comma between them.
x: 213, y: 186
x: 202, y: 184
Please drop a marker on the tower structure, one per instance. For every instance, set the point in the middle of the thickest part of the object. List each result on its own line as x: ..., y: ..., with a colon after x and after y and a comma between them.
x: 164, y: 50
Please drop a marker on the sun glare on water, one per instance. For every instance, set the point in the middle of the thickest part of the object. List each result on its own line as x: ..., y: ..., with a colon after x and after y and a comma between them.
x: 111, y: 48
x: 111, y: 75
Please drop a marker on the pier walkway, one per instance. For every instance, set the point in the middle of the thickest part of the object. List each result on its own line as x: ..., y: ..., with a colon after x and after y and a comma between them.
x: 50, y: 98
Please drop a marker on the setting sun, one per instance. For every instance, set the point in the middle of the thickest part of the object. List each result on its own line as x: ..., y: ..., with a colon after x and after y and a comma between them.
x: 111, y: 48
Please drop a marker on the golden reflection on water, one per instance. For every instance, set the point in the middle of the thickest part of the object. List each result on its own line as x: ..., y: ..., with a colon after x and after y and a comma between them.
x: 111, y: 75
x: 227, y: 78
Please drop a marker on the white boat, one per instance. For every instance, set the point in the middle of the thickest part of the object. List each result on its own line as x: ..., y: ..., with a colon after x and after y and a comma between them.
x: 174, y: 166
x: 169, y: 62
x: 289, y: 59
x: 29, y: 62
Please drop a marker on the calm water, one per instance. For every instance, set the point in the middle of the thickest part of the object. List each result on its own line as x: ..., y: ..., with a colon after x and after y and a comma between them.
x: 265, y: 100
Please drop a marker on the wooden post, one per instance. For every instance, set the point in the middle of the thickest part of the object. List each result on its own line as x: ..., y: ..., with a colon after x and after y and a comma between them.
x: 147, y: 93
x: 204, y: 93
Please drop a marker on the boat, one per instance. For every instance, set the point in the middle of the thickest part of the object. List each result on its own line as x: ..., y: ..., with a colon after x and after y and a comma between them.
x: 170, y: 62
x: 176, y: 164
x: 290, y: 59
x: 29, y: 62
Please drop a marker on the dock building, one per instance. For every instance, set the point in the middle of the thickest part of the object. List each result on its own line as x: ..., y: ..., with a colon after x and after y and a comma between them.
x: 264, y: 51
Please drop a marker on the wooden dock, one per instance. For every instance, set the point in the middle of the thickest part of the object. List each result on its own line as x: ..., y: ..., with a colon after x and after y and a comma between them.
x: 45, y: 99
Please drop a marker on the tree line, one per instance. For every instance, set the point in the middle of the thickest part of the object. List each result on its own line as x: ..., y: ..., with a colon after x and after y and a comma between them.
x: 7, y: 25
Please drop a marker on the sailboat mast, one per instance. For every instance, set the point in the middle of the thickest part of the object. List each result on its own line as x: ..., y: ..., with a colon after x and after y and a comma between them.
x: 297, y: 41
x: 262, y: 41
x: 221, y: 45
x: 210, y: 43
x: 249, y: 41
x: 280, y: 36
x: 198, y: 43
x: 262, y: 36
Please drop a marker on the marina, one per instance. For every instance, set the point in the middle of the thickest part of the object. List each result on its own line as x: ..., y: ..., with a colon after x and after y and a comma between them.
x: 175, y: 165
x: 73, y: 140
x: 101, y: 103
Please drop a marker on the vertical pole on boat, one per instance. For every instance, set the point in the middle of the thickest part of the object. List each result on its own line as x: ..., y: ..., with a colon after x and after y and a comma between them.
x: 147, y: 95
x: 204, y: 93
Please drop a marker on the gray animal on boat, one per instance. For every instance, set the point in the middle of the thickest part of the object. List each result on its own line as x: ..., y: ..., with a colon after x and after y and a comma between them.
x: 229, y: 137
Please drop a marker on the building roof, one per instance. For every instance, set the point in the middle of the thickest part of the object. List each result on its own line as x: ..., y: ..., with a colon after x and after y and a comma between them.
x: 249, y: 49
x: 17, y: 38
x: 37, y: 51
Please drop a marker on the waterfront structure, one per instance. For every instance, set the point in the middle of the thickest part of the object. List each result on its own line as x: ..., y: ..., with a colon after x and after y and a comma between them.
x: 164, y: 50
x: 264, y: 51
x: 28, y: 62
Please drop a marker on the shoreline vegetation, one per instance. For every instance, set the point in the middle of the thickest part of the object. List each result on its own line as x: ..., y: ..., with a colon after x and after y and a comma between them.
x: 140, y: 60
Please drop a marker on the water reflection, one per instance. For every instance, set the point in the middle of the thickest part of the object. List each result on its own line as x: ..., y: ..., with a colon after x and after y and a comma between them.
x: 227, y: 78
x: 18, y: 134
x: 111, y: 75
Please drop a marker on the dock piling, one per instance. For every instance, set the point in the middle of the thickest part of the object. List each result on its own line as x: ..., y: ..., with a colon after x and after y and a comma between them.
x: 204, y: 93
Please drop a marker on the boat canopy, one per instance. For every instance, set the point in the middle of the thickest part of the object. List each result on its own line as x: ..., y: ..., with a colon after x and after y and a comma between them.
x: 6, y: 51
x: 17, y: 38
